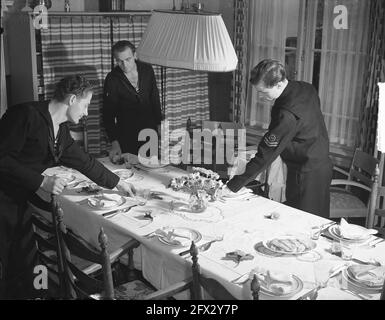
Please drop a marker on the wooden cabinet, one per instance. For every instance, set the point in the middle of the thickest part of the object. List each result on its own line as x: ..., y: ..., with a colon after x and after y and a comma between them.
x: 25, y: 58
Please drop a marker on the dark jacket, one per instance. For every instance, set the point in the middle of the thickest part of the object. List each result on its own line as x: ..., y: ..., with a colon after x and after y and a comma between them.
x: 125, y: 111
x: 27, y: 149
x: 297, y: 132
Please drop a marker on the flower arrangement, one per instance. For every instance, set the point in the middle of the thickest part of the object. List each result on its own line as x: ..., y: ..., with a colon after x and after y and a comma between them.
x: 200, y: 181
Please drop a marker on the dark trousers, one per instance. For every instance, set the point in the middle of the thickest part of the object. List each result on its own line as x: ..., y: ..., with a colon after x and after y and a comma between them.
x: 17, y: 250
x: 309, y: 191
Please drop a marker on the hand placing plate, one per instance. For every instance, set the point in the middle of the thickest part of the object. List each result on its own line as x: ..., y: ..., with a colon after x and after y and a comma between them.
x: 106, y: 201
x: 289, y: 244
x: 124, y: 173
x: 68, y: 177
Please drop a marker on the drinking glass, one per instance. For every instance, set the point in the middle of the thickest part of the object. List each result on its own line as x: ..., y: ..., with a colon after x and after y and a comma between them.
x: 347, y: 249
x: 315, y: 232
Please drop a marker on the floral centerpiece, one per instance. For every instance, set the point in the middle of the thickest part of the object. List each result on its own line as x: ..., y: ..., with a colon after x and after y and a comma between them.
x: 202, y: 184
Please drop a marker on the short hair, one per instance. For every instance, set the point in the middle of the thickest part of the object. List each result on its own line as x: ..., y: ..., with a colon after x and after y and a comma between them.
x: 269, y: 72
x: 76, y: 84
x: 123, y: 45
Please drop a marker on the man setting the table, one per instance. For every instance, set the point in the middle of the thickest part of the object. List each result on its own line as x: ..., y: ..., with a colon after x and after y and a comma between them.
x: 297, y: 133
x: 33, y: 137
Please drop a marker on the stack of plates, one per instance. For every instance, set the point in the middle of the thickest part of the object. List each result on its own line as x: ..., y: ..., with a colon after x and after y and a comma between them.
x: 334, y: 230
x: 368, y: 286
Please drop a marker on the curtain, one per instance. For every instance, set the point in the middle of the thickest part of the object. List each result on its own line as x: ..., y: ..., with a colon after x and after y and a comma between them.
x: 79, y: 45
x: 375, y: 73
x: 267, y: 36
x: 343, y: 64
x: 239, y: 87
x: 3, y: 89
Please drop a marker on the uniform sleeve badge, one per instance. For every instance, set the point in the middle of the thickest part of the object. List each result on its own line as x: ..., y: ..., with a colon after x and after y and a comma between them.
x: 271, y: 140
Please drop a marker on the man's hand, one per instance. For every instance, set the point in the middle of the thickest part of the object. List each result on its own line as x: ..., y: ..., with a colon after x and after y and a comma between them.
x: 52, y: 184
x: 126, y: 187
x: 226, y: 191
x: 115, y: 152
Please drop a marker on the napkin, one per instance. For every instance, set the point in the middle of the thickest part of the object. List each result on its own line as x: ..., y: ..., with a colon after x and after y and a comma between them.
x: 277, y: 282
x: 243, y: 193
x: 352, y: 231
x: 176, y: 237
x: 66, y: 176
x: 368, y: 274
x: 105, y: 201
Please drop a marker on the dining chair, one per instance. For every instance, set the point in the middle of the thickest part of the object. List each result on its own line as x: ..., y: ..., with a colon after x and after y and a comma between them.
x: 199, y: 286
x: 67, y: 257
x: 230, y: 130
x: 353, y: 199
x: 79, y: 134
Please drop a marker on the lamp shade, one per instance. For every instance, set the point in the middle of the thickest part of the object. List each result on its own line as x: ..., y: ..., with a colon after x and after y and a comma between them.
x: 194, y: 41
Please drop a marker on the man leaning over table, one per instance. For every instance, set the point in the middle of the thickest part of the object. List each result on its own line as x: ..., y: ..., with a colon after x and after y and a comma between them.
x: 297, y: 133
x: 33, y: 137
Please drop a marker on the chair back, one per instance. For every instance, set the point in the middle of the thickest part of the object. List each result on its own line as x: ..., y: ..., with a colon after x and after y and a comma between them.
x: 202, y: 284
x: 80, y: 135
x: 71, y: 281
x: 363, y: 168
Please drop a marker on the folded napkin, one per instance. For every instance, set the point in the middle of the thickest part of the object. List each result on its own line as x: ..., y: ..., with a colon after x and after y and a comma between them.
x: 175, y: 237
x: 368, y: 274
x: 276, y: 282
x: 354, y: 232
x: 243, y: 193
x: 105, y: 200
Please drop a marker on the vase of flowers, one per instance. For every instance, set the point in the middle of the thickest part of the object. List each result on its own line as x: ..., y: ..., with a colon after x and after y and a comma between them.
x: 198, y: 201
x: 202, y: 184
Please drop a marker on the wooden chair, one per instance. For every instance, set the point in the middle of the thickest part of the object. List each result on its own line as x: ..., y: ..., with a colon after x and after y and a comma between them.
x: 353, y: 200
x: 376, y: 215
x: 79, y: 134
x: 222, y: 131
x: 199, y: 285
x: 74, y: 265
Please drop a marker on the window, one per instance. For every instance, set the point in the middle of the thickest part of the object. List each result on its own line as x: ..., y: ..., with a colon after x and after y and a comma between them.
x: 302, y: 33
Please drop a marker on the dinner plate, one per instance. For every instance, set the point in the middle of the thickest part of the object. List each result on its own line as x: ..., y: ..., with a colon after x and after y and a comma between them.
x: 310, y: 245
x: 67, y: 176
x: 109, y: 206
x: 297, y: 286
x: 358, y: 282
x: 194, y: 236
x: 124, y: 173
x: 150, y: 165
x: 334, y: 230
x: 359, y: 285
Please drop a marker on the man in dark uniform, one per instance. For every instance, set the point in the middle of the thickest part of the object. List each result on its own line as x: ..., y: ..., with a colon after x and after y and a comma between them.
x: 298, y: 133
x: 33, y: 137
x: 130, y: 102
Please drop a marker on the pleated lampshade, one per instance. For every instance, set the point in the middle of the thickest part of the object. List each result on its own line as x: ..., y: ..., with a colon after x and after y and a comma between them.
x: 194, y: 41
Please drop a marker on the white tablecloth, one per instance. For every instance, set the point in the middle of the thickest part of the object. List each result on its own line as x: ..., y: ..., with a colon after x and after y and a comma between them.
x: 242, y: 222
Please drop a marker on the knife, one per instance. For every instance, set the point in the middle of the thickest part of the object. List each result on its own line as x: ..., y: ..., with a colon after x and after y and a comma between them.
x: 107, y: 214
x: 327, y: 237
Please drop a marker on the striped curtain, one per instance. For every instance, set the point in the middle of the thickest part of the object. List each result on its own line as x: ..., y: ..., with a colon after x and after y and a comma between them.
x: 239, y: 87
x: 83, y: 45
x: 73, y: 45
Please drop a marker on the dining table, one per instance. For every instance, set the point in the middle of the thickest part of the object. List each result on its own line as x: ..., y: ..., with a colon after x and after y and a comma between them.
x: 239, y: 229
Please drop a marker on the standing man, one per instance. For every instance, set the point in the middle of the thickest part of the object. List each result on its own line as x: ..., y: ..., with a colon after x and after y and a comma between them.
x: 298, y: 133
x: 33, y: 137
x: 131, y: 101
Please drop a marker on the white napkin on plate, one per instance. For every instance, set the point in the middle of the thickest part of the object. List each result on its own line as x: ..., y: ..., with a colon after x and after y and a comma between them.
x: 175, y: 236
x: 277, y: 282
x: 368, y: 274
x: 243, y: 193
x: 106, y: 200
x: 354, y: 232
